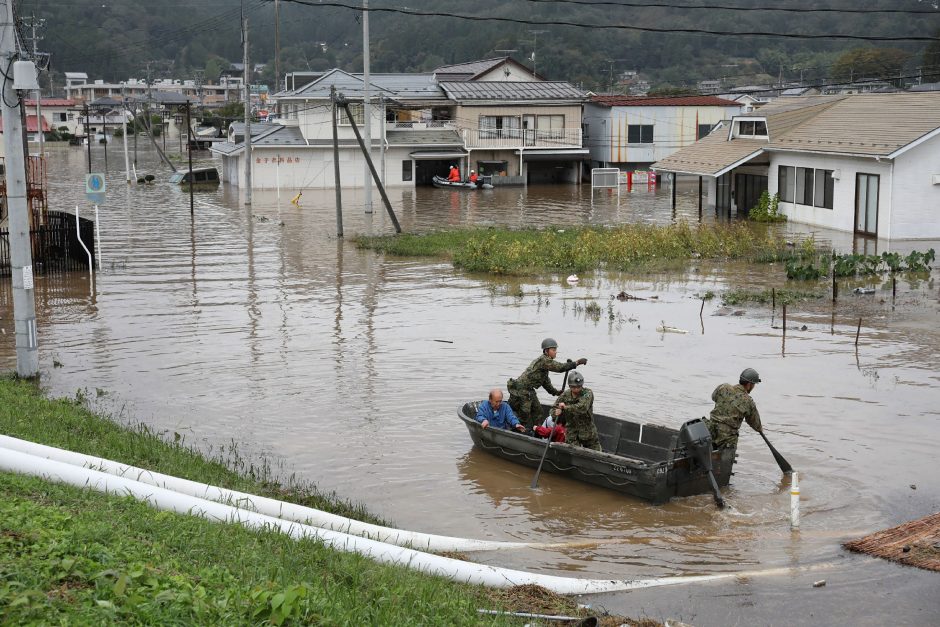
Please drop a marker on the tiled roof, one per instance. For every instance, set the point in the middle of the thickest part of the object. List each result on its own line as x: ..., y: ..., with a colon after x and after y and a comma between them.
x: 396, y: 86
x: 423, y: 138
x: 874, y: 125
x: 513, y: 91
x: 665, y: 101
x: 30, y: 124
x: 273, y: 135
x: 471, y: 68
x: 51, y: 102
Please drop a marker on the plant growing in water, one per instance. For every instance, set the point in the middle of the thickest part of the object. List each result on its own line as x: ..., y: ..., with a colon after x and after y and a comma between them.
x: 766, y: 209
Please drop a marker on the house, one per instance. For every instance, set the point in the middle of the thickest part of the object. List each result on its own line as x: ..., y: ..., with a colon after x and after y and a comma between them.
x: 529, y: 131
x: 634, y: 131
x: 866, y: 163
x: 498, y: 69
x: 56, y: 112
x: 412, y: 130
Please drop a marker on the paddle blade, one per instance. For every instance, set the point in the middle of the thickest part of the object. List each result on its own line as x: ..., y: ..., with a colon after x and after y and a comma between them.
x: 781, y: 461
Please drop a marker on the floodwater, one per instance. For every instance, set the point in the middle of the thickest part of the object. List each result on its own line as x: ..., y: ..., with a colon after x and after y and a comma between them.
x: 258, y: 327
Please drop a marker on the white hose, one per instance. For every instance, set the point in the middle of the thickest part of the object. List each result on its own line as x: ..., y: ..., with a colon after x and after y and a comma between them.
x: 456, y: 570
x: 272, y: 507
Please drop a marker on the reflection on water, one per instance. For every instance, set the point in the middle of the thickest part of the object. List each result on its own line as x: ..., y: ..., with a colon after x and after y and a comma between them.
x: 257, y: 325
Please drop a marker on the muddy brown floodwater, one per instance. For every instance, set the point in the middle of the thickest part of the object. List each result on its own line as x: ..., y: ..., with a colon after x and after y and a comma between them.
x: 257, y: 326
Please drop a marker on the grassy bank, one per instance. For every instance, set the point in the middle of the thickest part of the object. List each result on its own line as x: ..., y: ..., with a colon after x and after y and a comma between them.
x: 71, y: 556
x: 579, y: 249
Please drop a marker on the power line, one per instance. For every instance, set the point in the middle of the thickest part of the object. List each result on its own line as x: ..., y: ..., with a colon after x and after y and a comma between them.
x: 645, y: 29
x: 726, y: 7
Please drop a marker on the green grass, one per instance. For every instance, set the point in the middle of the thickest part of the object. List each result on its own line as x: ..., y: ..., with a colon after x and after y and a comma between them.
x: 580, y: 249
x: 70, y: 556
x: 766, y: 297
x: 63, y: 423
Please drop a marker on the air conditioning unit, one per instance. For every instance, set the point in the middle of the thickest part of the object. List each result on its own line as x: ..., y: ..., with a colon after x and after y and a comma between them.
x: 935, y: 179
x: 836, y: 174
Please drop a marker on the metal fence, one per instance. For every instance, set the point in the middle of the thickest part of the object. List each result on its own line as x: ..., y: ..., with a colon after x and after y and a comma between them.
x: 55, y: 245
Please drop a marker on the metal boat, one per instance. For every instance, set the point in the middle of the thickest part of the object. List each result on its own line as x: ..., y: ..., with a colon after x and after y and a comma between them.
x: 648, y: 461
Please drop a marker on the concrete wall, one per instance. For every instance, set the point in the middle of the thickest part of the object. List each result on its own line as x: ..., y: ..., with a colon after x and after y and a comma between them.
x: 306, y: 167
x: 842, y: 216
x: 673, y: 128
x: 915, y: 199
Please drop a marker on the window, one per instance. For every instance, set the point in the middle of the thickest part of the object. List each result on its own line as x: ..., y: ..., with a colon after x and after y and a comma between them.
x: 785, y: 178
x: 703, y: 130
x: 499, y: 127
x: 804, y: 186
x: 752, y: 128
x: 62, y: 117
x: 824, y: 189
x: 551, y: 126
x: 355, y: 108
x: 639, y: 133
x: 406, y: 170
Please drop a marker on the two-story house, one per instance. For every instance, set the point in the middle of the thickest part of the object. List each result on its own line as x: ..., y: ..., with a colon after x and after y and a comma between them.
x: 632, y: 132
x: 529, y: 131
x: 411, y: 126
x: 867, y: 164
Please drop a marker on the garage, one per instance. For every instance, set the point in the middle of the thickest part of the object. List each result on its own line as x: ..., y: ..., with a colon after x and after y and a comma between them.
x: 428, y: 164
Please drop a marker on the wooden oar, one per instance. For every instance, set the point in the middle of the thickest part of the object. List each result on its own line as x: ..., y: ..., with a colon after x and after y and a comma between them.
x: 783, y: 463
x: 535, y: 479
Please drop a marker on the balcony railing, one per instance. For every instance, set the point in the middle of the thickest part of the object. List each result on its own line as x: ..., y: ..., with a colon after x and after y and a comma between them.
x: 515, y: 138
x: 430, y: 125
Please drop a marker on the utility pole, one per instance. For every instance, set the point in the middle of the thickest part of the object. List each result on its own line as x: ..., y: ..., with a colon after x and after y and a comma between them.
x: 247, y: 79
x: 189, y: 144
x: 127, y: 165
x: 535, y: 45
x: 336, y: 173
x: 21, y: 256
x: 277, y: 45
x: 366, y: 109
x: 87, y: 136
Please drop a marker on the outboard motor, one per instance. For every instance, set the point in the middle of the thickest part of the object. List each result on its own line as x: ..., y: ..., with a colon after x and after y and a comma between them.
x: 697, y: 440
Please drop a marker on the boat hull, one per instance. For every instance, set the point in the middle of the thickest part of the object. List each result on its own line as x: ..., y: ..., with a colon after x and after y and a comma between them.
x: 651, y: 467
x: 461, y: 185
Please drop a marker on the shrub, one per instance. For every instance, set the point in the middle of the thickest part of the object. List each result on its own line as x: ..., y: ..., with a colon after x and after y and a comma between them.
x: 766, y: 209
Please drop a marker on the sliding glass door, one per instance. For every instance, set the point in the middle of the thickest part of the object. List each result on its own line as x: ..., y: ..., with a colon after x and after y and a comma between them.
x: 866, y: 203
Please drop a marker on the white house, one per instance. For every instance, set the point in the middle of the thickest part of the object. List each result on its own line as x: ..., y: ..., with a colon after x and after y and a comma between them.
x: 411, y: 126
x: 635, y: 131
x: 56, y: 112
x: 867, y: 163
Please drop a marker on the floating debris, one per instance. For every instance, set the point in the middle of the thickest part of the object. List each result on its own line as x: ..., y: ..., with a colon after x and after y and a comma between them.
x: 622, y: 296
x: 914, y: 543
x: 667, y: 329
x: 863, y: 290
x: 573, y: 278
x: 819, y: 584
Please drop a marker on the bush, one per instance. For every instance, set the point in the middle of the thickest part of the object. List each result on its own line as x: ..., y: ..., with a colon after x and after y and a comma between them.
x: 766, y: 209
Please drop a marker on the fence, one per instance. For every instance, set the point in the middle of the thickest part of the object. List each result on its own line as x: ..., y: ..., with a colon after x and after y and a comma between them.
x: 55, y: 245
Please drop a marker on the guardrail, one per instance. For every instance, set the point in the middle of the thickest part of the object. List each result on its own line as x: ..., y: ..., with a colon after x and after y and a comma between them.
x: 521, y: 138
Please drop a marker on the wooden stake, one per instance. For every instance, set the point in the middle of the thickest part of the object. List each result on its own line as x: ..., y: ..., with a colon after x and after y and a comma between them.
x: 858, y: 330
x: 784, y: 320
x: 894, y: 288
x: 702, y: 309
x: 773, y: 299
x: 835, y: 287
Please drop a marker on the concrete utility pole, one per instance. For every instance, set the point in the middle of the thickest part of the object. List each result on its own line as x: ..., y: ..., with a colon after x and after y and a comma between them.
x: 21, y: 256
x: 366, y: 109
x: 127, y: 165
x: 277, y: 45
x: 247, y: 79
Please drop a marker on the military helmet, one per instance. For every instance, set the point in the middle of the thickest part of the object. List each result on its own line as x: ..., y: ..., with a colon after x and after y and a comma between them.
x: 575, y: 379
x: 549, y: 343
x: 750, y: 375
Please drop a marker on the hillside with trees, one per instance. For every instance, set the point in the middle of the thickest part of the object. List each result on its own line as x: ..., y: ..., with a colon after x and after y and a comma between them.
x: 119, y: 39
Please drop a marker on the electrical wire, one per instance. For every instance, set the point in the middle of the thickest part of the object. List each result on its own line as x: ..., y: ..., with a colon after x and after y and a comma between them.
x: 645, y: 29
x: 726, y: 7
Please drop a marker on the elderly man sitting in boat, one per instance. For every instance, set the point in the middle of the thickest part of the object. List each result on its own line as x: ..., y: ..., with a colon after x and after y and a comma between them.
x: 494, y: 412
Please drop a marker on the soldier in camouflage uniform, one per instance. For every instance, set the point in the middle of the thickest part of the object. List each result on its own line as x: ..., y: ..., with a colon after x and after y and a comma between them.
x: 522, y: 396
x: 733, y: 405
x: 575, y: 408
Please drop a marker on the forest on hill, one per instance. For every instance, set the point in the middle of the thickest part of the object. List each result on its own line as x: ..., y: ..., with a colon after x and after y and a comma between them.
x: 587, y: 42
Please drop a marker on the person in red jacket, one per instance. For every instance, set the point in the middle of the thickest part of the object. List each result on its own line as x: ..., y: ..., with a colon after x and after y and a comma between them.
x: 473, y: 176
x: 454, y: 175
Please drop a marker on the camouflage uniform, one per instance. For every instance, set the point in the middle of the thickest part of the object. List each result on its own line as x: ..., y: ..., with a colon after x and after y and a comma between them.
x: 733, y: 405
x: 522, y: 397
x: 578, y: 416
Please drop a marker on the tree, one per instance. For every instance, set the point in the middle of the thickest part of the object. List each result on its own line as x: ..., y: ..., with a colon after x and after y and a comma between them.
x: 866, y: 63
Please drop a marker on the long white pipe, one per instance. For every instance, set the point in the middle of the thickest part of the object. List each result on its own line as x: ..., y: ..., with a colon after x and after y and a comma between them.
x: 456, y: 570
x: 272, y: 507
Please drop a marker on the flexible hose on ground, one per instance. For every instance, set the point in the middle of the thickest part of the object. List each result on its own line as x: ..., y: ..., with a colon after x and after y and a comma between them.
x: 273, y: 507
x: 456, y: 570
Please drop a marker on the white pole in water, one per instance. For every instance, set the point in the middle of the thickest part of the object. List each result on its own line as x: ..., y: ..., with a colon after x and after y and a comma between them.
x: 98, y: 237
x: 794, y: 501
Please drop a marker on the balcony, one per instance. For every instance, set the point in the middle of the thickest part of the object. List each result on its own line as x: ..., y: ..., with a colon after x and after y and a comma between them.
x: 517, y: 138
x: 430, y: 125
